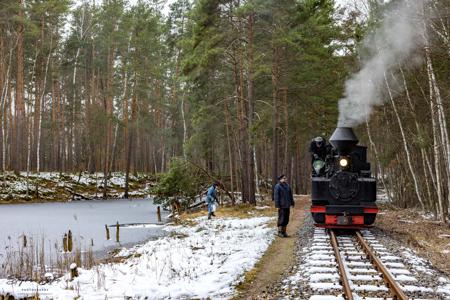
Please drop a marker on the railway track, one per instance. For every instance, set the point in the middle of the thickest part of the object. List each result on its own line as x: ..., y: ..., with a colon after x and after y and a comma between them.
x: 354, y: 265
x: 390, y: 283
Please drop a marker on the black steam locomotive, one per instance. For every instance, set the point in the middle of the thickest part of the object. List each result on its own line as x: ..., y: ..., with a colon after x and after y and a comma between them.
x: 344, y: 195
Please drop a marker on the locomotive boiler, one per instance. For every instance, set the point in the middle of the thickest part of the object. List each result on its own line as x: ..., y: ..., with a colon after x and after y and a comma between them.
x: 344, y: 195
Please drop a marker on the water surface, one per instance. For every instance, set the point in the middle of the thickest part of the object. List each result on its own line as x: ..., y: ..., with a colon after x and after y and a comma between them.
x: 86, y: 220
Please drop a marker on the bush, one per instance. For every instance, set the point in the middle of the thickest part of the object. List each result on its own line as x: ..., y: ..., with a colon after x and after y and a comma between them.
x: 181, y: 184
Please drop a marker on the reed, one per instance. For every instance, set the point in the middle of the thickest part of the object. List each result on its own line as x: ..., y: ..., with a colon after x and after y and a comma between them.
x: 32, y: 260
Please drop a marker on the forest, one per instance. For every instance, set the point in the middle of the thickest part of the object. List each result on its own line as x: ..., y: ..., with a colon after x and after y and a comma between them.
x: 234, y: 89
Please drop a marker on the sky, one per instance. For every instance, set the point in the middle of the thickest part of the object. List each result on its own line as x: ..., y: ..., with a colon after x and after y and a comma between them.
x: 168, y: 2
x: 132, y: 2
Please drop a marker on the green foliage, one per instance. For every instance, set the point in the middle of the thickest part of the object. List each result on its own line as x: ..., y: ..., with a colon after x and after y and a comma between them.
x: 216, y: 66
x: 182, y: 182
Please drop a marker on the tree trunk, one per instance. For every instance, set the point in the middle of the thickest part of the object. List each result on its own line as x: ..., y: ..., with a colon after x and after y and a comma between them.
x: 405, y: 145
x: 112, y: 165
x: 275, y: 117
x: 440, y: 131
x: 125, y: 120
x: 109, y: 116
x: 29, y: 155
x: 19, y: 134
x: 251, y: 169
x: 287, y: 161
x: 185, y: 133
x: 377, y: 161
x: 4, y: 95
x: 230, y: 151
x: 41, y: 102
x: 75, y: 114
x: 424, y: 155
x: 435, y: 118
x: 89, y: 106
x: 130, y: 142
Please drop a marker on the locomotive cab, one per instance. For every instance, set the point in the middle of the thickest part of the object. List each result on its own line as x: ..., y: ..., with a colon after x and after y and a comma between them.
x: 345, y: 196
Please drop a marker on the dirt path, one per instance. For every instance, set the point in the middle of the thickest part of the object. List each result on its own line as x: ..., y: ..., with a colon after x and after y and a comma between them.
x: 277, y: 260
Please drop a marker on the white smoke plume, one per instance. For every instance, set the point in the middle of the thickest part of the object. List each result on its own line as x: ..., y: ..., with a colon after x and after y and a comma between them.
x: 390, y: 45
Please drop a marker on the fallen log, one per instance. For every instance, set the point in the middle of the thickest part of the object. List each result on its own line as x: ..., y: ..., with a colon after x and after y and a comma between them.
x: 75, y: 194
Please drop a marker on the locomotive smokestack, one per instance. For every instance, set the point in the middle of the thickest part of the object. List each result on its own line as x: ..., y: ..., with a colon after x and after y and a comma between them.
x: 344, y: 140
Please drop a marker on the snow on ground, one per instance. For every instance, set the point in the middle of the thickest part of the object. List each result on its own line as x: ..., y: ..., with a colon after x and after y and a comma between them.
x: 20, y: 186
x: 444, y: 289
x: 205, y: 260
x: 85, y: 180
x: 42, y: 175
x: 417, y: 263
x: 382, y: 197
x: 15, y: 187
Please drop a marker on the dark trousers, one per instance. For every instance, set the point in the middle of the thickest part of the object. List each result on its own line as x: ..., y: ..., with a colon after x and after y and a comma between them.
x: 283, y: 216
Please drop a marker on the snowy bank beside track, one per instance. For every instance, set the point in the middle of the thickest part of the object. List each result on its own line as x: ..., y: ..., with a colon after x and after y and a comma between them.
x: 204, y: 260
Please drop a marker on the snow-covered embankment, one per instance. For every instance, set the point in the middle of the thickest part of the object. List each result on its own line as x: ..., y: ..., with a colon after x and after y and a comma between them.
x: 204, y: 260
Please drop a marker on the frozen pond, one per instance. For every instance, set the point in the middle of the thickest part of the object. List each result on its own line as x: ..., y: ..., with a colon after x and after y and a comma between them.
x: 86, y: 219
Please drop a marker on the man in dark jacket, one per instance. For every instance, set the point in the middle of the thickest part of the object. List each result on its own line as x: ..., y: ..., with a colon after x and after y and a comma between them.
x: 319, y: 150
x: 283, y: 201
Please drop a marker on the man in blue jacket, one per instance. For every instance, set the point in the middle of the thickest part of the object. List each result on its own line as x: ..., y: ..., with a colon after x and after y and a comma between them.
x: 211, y: 197
x: 283, y: 201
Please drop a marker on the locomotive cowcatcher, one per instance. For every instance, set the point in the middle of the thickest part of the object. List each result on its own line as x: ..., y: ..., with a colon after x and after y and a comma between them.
x: 344, y: 194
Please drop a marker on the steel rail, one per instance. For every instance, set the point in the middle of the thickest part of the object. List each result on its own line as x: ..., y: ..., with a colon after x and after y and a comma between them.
x: 344, y: 280
x: 390, y: 281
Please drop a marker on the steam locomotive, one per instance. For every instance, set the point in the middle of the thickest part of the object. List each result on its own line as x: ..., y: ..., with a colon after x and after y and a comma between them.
x: 343, y: 196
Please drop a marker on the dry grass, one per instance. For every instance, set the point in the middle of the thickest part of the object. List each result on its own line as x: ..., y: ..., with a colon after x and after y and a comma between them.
x: 30, y: 261
x: 431, y: 239
x: 252, y: 275
x: 231, y: 211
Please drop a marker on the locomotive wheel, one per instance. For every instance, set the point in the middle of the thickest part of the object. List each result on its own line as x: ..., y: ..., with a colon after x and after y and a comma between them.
x: 319, y: 218
x: 369, y: 219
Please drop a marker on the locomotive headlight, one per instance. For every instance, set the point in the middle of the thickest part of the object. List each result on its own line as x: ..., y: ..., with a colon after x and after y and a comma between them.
x: 343, y: 162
